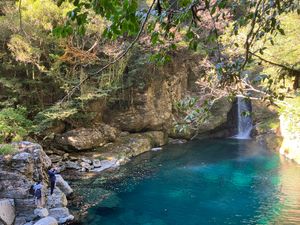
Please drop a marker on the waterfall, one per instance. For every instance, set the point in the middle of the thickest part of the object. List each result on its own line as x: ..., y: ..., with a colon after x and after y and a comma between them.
x: 244, y: 118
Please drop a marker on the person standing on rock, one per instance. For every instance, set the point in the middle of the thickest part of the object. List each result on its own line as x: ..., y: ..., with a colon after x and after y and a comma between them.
x: 38, y: 195
x: 52, y: 179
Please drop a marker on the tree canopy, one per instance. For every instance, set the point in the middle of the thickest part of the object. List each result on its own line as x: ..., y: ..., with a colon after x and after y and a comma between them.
x: 58, y: 55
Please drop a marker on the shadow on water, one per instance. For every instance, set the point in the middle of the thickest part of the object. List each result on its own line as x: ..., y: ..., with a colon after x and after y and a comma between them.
x: 202, y: 182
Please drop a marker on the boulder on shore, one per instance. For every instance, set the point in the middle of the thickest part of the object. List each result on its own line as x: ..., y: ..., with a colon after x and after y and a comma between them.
x: 49, y: 220
x: 87, y: 138
x: 43, y: 212
x: 63, y: 185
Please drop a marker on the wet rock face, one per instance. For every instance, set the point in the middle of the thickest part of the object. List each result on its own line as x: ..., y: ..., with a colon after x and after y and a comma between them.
x: 87, y: 138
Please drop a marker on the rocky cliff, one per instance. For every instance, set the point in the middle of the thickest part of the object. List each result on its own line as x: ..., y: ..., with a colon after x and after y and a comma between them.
x: 139, y: 116
x: 21, y: 170
x: 290, y: 132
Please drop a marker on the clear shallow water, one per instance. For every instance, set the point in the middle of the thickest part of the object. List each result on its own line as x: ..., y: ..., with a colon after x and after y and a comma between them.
x: 204, y: 182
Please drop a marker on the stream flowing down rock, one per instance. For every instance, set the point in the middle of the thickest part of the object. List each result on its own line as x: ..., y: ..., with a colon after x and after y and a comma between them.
x: 21, y: 170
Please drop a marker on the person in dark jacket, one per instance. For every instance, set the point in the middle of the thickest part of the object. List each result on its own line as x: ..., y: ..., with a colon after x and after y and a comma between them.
x: 52, y: 179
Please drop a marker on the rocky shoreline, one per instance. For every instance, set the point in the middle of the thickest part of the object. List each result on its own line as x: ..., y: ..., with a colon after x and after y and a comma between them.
x: 30, y: 163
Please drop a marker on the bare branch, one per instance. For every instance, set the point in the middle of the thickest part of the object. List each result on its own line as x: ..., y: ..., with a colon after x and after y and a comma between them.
x: 250, y: 33
x: 274, y: 63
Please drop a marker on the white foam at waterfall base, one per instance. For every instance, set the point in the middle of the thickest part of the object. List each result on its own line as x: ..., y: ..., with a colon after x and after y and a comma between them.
x: 244, y: 119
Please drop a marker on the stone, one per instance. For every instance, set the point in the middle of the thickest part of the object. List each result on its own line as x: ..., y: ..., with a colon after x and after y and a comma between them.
x: 177, y: 141
x: 65, y: 219
x: 49, y: 220
x: 72, y: 165
x: 106, y: 164
x: 158, y: 138
x: 60, y: 168
x: 23, y: 156
x: 61, y: 212
x: 87, y: 138
x: 86, y: 160
x: 86, y: 166
x: 73, y: 158
x: 63, y: 185
x: 96, y: 163
x: 66, y: 156
x: 43, y: 212
x: 57, y: 199
x: 28, y: 223
x: 55, y: 158
x: 7, y: 211
x: 156, y: 149
x: 22, y: 221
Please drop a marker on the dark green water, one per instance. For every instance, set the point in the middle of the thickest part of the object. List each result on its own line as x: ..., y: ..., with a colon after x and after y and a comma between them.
x: 204, y: 182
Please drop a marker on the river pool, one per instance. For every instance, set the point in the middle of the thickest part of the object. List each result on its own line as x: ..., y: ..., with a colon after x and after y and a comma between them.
x: 222, y: 181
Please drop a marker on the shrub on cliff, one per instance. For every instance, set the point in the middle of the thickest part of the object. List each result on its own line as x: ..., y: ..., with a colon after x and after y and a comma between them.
x: 14, y: 125
x: 7, y: 149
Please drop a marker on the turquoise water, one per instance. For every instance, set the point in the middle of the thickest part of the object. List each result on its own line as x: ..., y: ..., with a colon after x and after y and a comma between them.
x: 203, y: 182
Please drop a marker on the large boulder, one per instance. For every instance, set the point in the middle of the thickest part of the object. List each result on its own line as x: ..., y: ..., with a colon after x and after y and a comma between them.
x: 158, y: 138
x: 87, y: 138
x: 131, y: 145
x: 63, y: 185
x: 43, y: 212
x: 221, y: 121
x: 7, y: 211
x: 62, y: 214
x: 49, y: 220
x: 57, y: 199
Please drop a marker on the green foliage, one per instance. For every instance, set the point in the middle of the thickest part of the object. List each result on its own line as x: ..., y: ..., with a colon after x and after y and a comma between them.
x: 291, y: 113
x: 267, y: 125
x: 45, y: 119
x: 192, y: 113
x: 121, y: 15
x: 7, y: 149
x: 22, y: 50
x: 14, y: 126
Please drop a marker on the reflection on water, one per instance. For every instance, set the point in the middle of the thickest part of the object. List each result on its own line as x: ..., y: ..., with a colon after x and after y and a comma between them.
x: 289, y: 192
x: 203, y: 182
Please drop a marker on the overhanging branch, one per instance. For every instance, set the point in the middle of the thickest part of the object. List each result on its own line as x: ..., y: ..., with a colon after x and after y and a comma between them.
x: 275, y: 64
x: 120, y: 56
